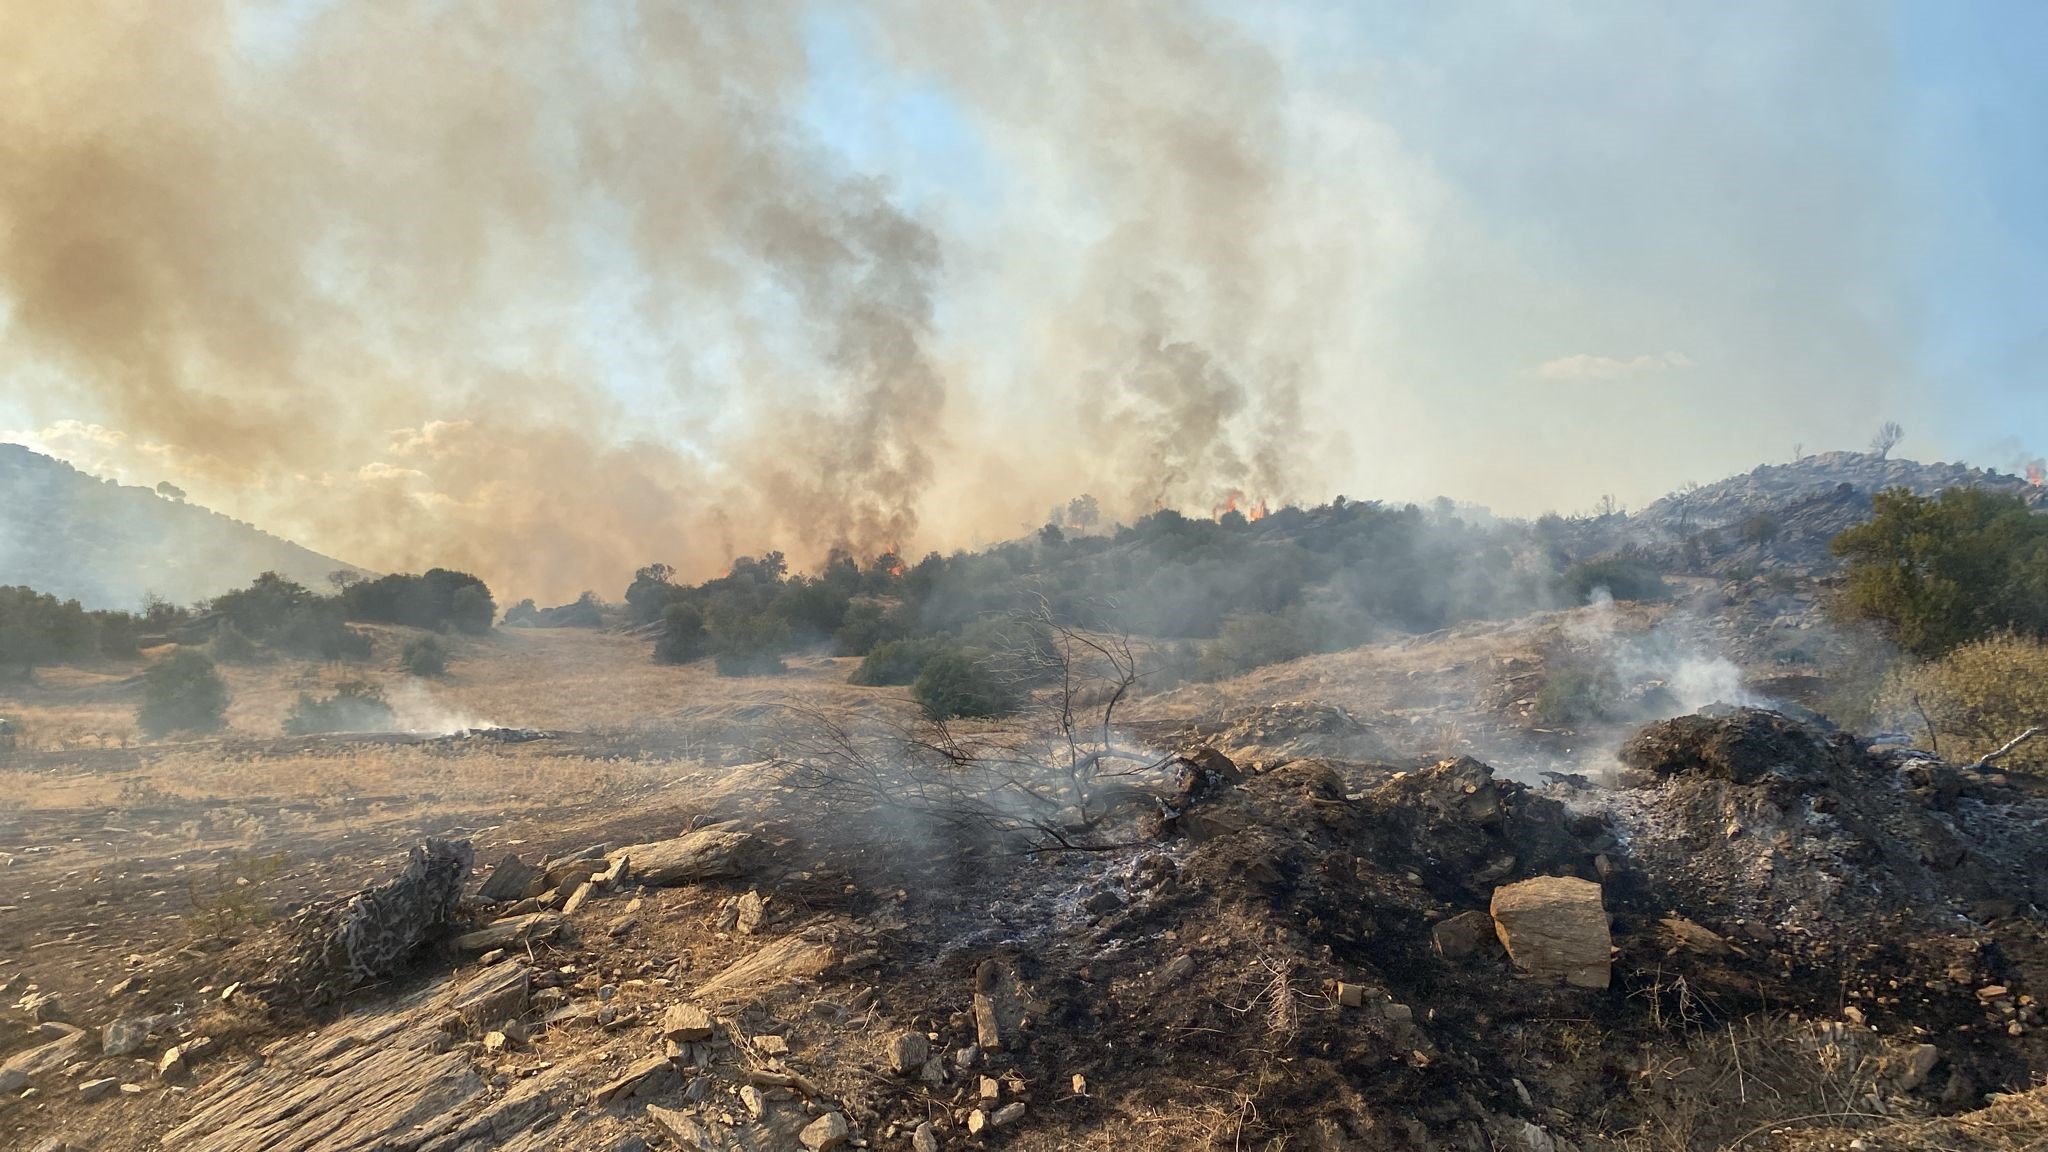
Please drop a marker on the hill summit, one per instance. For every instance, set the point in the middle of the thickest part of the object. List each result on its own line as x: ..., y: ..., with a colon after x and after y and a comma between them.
x: 108, y: 544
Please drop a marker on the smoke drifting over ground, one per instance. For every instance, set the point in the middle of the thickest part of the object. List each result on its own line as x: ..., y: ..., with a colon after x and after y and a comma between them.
x: 553, y: 292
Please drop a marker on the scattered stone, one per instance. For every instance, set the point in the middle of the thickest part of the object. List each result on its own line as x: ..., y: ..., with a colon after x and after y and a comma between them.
x: 126, y: 1036
x: 991, y: 1090
x: 121, y: 987
x: 510, y: 880
x: 826, y: 1132
x: 925, y: 1139
x: 977, y: 1122
x: 496, y: 1043
x: 1103, y: 903
x: 98, y: 1089
x: 685, y: 1023
x: 1398, y: 1013
x: 907, y: 1052
x: 684, y: 1128
x: 755, y: 1100
x: 496, y: 994
x: 1350, y: 995
x: 1462, y: 936
x: 771, y: 1045
x: 12, y: 1080
x: 751, y: 911
x: 622, y: 926
x: 988, y: 1030
x: 1080, y: 1084
x: 649, y: 1076
x: 1007, y: 1115
x: 131, y: 1089
x: 50, y: 1057
x: 1686, y: 936
x: 967, y: 1057
x: 578, y: 898
x: 1555, y: 927
x: 171, y: 1064
x: 1177, y: 969
x: 42, y: 1007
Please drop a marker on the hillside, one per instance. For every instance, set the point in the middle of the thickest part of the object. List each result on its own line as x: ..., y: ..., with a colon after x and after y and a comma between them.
x: 108, y: 545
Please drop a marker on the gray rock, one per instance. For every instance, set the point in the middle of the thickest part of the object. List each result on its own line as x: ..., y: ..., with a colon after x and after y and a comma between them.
x: 925, y: 1139
x: 99, y: 1089
x: 825, y: 1133
x: 127, y: 1036
x: 685, y: 1024
x: 907, y: 1052
x: 510, y: 880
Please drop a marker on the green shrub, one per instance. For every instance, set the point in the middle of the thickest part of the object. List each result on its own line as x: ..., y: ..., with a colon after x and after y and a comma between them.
x: 182, y: 693
x: 1246, y: 642
x: 896, y: 662
x: 953, y: 684
x: 749, y: 645
x: 682, y: 635
x: 356, y: 706
x: 867, y: 625
x: 1938, y: 572
x: 230, y: 646
x: 1976, y: 698
x: 424, y: 656
x: 1624, y: 579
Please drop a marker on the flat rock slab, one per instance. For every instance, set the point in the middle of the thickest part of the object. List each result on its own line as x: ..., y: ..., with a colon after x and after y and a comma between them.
x: 789, y: 958
x: 1555, y: 927
x: 498, y: 994
x: 509, y: 931
x: 706, y: 854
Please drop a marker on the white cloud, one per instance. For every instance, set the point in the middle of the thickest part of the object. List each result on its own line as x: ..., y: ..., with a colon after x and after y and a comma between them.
x: 1585, y: 366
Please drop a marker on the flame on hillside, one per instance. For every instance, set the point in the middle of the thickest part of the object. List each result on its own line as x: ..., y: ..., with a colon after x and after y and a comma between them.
x: 1233, y: 501
x: 2037, y: 473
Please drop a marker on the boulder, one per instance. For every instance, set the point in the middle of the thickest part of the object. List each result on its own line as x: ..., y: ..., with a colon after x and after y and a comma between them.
x: 686, y: 1130
x: 48, y: 1058
x: 706, y: 854
x: 1555, y: 927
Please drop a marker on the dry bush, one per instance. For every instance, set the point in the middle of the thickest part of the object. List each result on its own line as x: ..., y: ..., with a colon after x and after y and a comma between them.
x: 1975, y: 699
x: 1734, y: 1085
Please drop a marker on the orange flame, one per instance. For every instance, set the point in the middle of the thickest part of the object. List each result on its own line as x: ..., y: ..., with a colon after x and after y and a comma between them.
x: 1229, y: 505
x: 1257, y: 511
x: 2037, y: 473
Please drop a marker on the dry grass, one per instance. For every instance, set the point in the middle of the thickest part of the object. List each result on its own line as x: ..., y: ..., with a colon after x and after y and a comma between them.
x: 572, y: 679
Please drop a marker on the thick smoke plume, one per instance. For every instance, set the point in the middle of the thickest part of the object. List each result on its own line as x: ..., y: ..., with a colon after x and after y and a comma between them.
x: 546, y: 293
x: 550, y: 291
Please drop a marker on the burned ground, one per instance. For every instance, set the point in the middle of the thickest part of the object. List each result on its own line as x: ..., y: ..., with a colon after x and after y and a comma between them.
x: 1292, y: 945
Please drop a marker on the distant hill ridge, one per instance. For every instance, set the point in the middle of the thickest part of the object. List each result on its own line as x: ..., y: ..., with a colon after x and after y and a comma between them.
x: 107, y: 544
x: 1774, y: 486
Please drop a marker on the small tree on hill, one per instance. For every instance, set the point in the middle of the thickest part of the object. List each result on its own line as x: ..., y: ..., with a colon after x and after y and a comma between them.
x: 424, y: 656
x: 1937, y: 572
x: 1888, y: 436
x: 682, y: 635
x: 182, y: 693
x: 953, y: 684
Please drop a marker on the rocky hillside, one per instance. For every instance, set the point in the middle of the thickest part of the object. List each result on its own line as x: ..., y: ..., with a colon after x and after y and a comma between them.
x: 108, y: 545
x: 1780, y: 517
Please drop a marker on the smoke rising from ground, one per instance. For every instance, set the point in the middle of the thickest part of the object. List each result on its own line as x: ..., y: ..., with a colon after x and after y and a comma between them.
x: 549, y: 293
